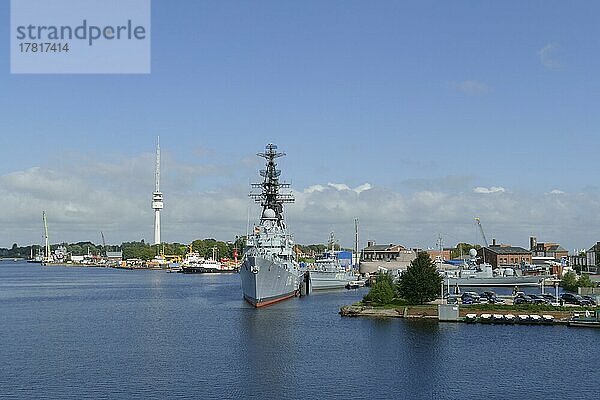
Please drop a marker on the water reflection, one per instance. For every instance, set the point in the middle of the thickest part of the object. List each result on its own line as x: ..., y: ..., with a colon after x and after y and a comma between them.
x: 269, y: 349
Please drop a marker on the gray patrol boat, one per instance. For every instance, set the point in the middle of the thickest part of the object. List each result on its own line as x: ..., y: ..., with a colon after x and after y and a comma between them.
x: 328, y: 272
x: 269, y: 270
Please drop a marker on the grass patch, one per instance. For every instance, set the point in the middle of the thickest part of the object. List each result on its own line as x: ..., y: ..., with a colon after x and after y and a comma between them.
x: 393, y: 304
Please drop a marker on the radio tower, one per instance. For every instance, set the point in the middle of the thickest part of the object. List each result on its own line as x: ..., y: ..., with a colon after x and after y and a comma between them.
x: 46, y: 241
x: 157, y: 197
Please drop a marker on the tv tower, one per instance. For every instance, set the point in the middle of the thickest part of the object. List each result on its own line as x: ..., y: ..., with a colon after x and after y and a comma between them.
x: 157, y: 197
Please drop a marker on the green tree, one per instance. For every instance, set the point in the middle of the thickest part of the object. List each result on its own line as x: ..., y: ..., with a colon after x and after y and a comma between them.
x: 421, y: 282
x: 139, y: 250
x: 205, y: 248
x: 382, y: 291
x: 569, y: 281
x: 585, y: 281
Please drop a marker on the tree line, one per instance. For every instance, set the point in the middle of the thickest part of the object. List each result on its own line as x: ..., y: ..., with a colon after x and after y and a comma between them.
x: 146, y: 251
x: 141, y: 249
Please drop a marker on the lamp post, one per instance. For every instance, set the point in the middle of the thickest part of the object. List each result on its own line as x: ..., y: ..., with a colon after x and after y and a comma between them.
x: 442, y: 294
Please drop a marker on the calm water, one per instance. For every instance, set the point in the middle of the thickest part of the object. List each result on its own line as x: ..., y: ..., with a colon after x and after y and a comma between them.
x: 73, y: 333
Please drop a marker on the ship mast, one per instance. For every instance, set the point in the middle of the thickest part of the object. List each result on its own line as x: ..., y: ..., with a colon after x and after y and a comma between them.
x: 357, y: 259
x: 270, y: 197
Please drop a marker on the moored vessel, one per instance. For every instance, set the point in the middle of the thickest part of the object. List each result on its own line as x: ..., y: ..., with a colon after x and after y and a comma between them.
x: 193, y: 263
x: 471, y: 274
x: 329, y: 273
x: 269, y: 270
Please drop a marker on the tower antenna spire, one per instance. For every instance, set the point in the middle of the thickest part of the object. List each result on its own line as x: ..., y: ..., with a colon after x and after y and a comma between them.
x: 157, y: 175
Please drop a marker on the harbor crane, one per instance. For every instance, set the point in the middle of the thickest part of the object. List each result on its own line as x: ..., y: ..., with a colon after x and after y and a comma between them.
x: 478, y: 222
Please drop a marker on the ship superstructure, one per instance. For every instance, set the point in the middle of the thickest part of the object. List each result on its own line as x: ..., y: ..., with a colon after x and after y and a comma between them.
x: 269, y: 270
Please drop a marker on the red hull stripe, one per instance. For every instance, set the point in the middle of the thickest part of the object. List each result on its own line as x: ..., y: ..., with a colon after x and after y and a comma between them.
x: 270, y: 301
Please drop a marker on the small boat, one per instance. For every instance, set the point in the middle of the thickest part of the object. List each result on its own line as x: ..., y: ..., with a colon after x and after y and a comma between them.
x: 548, y: 319
x: 585, y: 323
x: 509, y: 318
x: 535, y: 319
x: 485, y: 318
x: 498, y: 318
x: 523, y: 319
x: 355, y: 284
x: 589, y: 320
x: 470, y: 317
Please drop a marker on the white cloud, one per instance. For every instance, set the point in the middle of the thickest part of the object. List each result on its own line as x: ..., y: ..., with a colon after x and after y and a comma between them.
x: 314, y: 188
x: 363, y: 187
x: 472, y: 87
x: 549, y: 57
x: 339, y: 186
x: 493, y: 189
x: 83, y: 201
x: 416, y: 218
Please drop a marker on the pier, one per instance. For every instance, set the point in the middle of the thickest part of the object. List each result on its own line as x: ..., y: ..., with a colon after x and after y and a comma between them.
x: 570, y: 316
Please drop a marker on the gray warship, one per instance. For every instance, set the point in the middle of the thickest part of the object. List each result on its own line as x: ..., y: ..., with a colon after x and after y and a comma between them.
x: 269, y: 270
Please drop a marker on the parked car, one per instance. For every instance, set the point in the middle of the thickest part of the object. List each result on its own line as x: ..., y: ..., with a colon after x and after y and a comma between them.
x: 538, y: 299
x: 591, y: 299
x: 487, y: 294
x: 470, y: 298
x: 491, y: 297
x: 523, y: 300
x: 548, y: 297
x: 570, y: 298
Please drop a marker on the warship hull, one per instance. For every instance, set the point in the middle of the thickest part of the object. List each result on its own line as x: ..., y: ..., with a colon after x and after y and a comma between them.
x: 267, y: 281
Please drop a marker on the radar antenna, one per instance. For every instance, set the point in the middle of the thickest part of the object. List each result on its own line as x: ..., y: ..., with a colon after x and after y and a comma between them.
x: 270, y: 196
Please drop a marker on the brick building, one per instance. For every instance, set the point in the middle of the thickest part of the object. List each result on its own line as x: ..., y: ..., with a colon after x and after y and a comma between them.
x: 554, y: 250
x: 382, y: 252
x: 504, y: 255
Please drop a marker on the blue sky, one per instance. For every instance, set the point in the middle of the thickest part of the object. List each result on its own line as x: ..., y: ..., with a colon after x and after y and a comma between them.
x: 448, y: 110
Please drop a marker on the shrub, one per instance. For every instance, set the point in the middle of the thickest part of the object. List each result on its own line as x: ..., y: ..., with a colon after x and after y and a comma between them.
x: 585, y: 281
x: 382, y: 291
x: 421, y: 282
x: 569, y: 281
